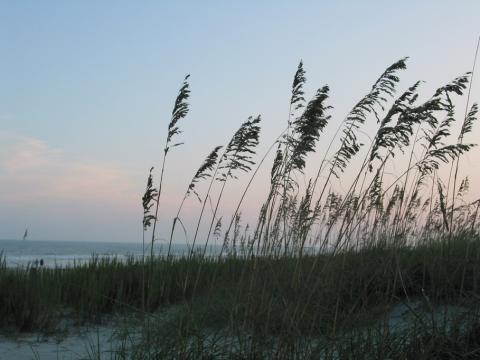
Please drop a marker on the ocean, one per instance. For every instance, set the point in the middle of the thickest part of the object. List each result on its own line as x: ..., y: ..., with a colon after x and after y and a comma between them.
x: 68, y: 253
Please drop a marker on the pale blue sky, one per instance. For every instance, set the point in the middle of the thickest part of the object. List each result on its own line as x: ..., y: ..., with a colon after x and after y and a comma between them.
x: 86, y: 88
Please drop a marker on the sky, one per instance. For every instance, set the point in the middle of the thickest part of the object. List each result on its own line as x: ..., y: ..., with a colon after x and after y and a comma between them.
x: 87, y: 87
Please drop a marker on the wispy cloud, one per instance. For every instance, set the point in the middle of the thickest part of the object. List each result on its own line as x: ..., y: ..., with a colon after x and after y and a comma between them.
x: 31, y: 169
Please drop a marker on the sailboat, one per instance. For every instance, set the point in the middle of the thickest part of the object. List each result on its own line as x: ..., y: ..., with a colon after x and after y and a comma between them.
x: 26, y: 234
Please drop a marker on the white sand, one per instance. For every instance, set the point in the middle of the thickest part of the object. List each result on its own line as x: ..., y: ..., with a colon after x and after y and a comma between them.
x: 79, y: 343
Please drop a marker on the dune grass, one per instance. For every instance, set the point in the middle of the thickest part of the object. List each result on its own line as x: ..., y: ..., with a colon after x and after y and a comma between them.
x: 332, y: 296
x: 320, y: 272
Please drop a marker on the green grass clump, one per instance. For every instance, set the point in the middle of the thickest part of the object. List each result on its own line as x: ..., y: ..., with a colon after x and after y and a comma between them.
x: 250, y: 294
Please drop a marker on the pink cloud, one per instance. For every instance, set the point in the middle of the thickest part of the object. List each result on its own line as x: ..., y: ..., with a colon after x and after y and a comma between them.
x: 30, y: 169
